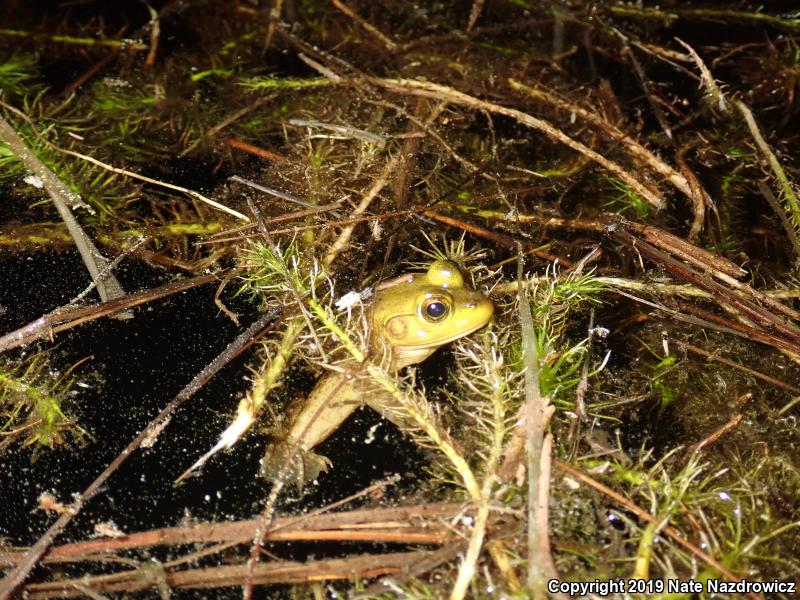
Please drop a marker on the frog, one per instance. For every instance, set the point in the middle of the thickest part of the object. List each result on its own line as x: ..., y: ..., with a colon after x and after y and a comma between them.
x: 410, y: 317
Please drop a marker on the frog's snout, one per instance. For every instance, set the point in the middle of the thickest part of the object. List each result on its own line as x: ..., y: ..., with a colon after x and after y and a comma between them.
x: 480, y: 309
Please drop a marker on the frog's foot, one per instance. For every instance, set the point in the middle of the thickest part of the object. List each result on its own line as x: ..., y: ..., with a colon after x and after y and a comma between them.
x: 303, y: 465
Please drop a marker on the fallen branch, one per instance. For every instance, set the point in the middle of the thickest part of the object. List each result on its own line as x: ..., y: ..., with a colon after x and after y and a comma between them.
x: 352, y: 568
x: 420, y: 524
x: 744, y: 299
x: 69, y: 316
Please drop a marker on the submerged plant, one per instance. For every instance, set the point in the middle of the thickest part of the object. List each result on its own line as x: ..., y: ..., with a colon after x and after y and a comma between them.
x: 265, y: 268
x: 626, y: 200
x: 556, y: 299
x: 730, y: 517
x: 17, y: 77
x: 32, y: 396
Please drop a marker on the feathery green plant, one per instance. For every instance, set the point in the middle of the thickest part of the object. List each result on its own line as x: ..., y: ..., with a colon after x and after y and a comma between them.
x: 265, y: 268
x: 18, y: 77
x: 555, y: 300
x: 626, y: 200
x: 31, y: 398
x: 733, y: 518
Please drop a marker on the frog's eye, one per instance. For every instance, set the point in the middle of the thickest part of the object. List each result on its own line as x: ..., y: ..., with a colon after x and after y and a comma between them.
x: 435, y: 309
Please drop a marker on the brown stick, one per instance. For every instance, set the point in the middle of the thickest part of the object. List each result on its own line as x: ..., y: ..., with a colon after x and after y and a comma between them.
x: 717, y: 266
x: 254, y: 150
x: 369, y: 27
x: 420, y: 524
x: 715, y: 435
x: 684, y: 250
x: 764, y: 318
x: 545, y: 220
x: 706, y: 320
x: 67, y: 317
x: 155, y: 34
x: 286, y: 572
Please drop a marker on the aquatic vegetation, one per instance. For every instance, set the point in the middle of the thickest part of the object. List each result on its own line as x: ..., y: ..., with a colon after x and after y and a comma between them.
x: 617, y: 179
x: 32, y: 398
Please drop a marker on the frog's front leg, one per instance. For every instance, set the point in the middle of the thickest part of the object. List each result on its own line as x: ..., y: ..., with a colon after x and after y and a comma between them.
x: 332, y: 400
x: 387, y: 407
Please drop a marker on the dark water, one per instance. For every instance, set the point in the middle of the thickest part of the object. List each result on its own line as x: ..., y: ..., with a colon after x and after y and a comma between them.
x: 137, y: 367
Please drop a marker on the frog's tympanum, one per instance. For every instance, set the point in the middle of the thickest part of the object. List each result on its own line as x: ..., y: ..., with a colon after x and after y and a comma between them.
x: 411, y: 316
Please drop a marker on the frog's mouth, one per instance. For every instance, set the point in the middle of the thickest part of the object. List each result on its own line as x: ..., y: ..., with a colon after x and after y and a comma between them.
x: 461, y: 333
x: 461, y: 327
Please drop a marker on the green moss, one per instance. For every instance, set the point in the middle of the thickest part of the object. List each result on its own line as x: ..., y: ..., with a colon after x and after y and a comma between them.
x: 32, y: 396
x: 625, y: 201
x: 282, y: 83
x: 18, y: 75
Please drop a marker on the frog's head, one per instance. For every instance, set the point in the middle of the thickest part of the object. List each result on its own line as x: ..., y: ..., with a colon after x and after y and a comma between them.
x: 414, y: 314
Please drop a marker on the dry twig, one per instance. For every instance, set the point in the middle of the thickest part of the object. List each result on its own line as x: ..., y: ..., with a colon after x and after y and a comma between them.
x: 369, y: 27
x: 69, y: 316
x: 420, y: 524
x: 724, y: 361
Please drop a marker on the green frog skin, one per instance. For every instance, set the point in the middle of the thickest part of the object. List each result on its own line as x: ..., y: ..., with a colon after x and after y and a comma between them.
x: 411, y: 317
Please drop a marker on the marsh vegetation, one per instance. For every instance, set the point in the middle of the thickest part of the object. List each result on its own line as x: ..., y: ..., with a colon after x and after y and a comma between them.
x: 198, y: 199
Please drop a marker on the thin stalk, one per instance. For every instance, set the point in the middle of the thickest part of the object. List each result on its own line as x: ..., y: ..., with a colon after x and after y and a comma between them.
x: 466, y: 570
x: 644, y: 552
x: 80, y: 41
x: 535, y: 428
x: 786, y: 186
x: 344, y: 236
x: 265, y: 381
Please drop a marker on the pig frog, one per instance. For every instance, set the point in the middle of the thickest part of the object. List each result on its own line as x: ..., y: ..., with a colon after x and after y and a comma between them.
x: 410, y: 317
